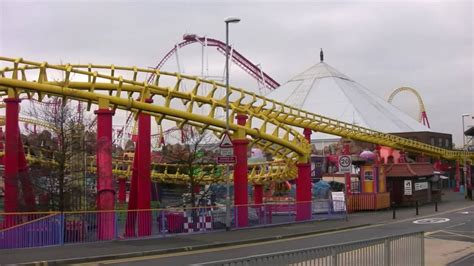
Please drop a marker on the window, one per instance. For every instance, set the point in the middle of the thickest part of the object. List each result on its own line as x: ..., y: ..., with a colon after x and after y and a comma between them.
x: 440, y: 142
x: 368, y: 175
x: 446, y: 143
x: 432, y: 141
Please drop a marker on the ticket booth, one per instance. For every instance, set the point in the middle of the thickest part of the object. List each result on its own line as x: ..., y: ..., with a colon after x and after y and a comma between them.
x: 411, y: 182
x: 373, y: 179
x: 373, y: 192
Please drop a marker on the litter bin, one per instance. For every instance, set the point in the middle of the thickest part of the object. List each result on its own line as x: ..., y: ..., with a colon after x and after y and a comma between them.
x: 175, y: 222
x: 74, y: 232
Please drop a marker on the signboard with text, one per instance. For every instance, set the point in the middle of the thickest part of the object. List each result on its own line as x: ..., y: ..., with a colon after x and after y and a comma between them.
x: 421, y: 186
x: 226, y: 159
x: 338, y: 201
x: 345, y: 163
x: 408, y: 188
x: 226, y: 150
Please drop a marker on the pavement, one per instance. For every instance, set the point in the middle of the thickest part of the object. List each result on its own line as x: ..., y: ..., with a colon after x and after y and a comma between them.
x: 443, y: 252
x: 115, y: 250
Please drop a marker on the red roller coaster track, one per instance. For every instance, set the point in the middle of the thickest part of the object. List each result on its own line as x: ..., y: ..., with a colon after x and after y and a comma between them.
x: 237, y: 58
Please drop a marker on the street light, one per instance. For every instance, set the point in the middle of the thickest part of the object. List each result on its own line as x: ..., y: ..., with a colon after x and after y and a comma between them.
x: 464, y: 155
x: 227, y: 93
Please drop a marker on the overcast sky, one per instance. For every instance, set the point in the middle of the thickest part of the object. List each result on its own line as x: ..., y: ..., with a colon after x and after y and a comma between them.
x: 383, y: 45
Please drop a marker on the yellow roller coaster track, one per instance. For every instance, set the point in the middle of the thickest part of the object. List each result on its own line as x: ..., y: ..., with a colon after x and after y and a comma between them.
x: 31, y: 121
x: 271, y: 124
x: 259, y: 173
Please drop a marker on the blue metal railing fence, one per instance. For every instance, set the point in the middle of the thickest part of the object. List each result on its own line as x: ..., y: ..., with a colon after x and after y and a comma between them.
x: 25, y: 230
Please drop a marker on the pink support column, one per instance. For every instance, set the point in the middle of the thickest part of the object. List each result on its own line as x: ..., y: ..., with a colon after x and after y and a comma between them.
x: 122, y: 192
x: 258, y: 201
x: 2, y: 147
x: 457, y: 177
x: 11, y: 158
x: 303, y: 186
x: 362, y: 181
x: 258, y: 194
x: 144, y: 169
x: 24, y: 177
x: 307, y: 134
x: 2, y: 141
x: 303, y: 192
x: 132, y: 199
x: 240, y: 177
x: 376, y: 174
x: 105, y: 188
x: 347, y: 176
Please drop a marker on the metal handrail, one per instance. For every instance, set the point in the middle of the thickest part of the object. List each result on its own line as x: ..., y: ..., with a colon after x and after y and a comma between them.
x: 384, y: 255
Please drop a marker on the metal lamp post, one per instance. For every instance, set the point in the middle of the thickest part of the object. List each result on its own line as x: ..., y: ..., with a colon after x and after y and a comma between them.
x: 227, y: 201
x: 464, y: 155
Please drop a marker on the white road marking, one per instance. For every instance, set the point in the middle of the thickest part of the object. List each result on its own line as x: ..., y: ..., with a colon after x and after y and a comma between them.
x: 456, y: 225
x: 432, y: 221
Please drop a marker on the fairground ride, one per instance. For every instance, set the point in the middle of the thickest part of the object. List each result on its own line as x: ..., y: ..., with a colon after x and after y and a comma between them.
x: 265, y: 82
x: 422, y: 117
x: 122, y: 93
x: 272, y: 126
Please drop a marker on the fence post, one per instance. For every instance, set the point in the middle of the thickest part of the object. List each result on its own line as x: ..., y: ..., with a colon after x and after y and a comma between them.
x: 116, y: 217
x: 288, y: 209
x: 264, y: 213
x: 374, y: 206
x: 334, y: 256
x: 346, y: 215
x: 236, y: 215
x: 61, y: 229
x: 387, y: 253
x: 394, y: 214
x: 329, y: 205
x: 422, y: 251
x: 162, y: 220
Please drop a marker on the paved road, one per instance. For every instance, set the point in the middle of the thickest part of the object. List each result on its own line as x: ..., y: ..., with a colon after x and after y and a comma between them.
x: 459, y: 227
x: 463, y: 231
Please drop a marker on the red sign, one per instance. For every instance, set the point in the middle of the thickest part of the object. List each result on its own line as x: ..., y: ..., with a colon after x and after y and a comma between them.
x: 226, y: 160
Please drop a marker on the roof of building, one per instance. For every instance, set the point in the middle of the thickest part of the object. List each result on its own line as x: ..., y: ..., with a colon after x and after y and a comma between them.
x: 323, y: 90
x: 409, y: 170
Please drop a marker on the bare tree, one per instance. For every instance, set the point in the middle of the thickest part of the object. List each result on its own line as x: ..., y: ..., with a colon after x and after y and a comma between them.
x: 67, y: 146
x: 197, y: 160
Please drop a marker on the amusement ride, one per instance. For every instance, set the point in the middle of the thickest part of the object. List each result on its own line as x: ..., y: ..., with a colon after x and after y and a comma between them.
x: 278, y: 129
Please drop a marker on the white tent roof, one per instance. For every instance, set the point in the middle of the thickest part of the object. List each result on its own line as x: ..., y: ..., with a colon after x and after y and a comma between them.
x: 323, y: 90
